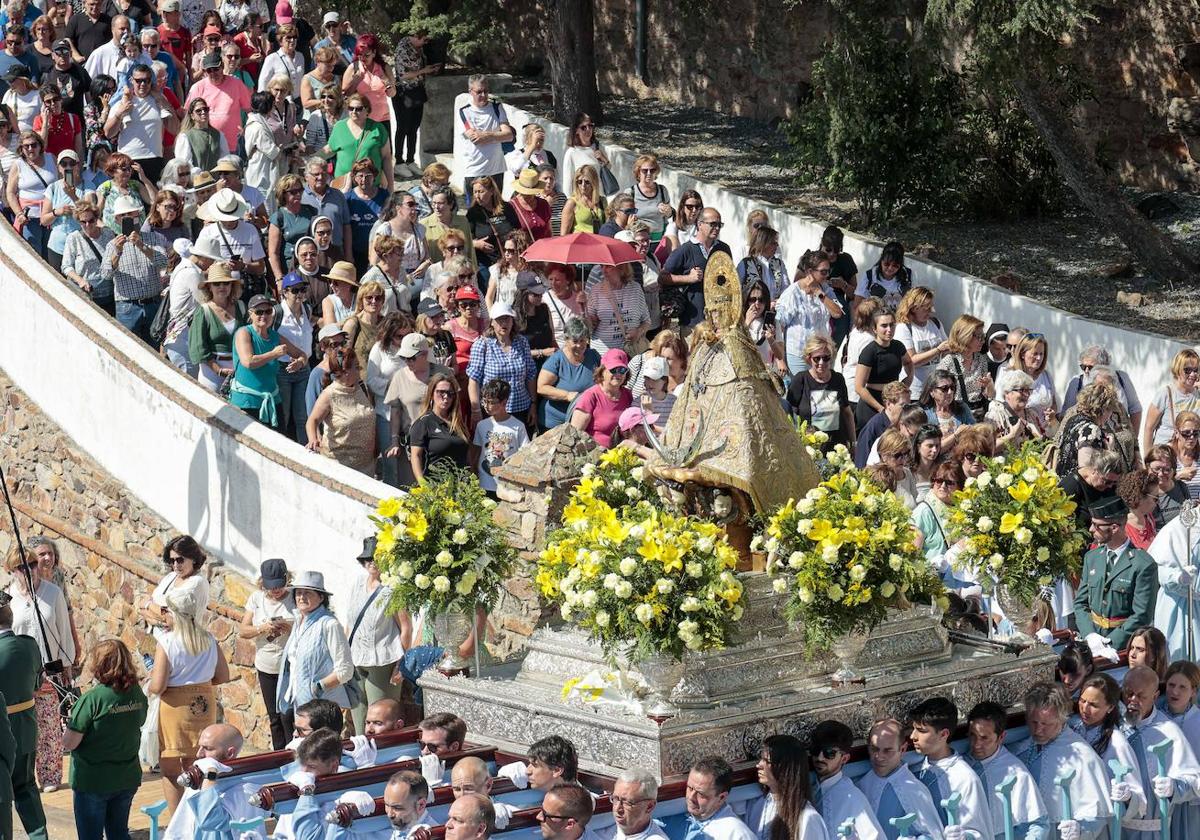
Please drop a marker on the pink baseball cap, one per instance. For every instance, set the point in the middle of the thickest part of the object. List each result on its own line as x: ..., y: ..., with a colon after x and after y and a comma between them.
x: 283, y: 12
x: 615, y: 358
x: 632, y: 417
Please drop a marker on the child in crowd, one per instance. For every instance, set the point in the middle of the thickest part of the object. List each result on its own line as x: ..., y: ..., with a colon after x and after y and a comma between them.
x: 498, y: 436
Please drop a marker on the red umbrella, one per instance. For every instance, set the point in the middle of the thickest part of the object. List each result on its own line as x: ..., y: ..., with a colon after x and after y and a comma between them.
x: 582, y: 248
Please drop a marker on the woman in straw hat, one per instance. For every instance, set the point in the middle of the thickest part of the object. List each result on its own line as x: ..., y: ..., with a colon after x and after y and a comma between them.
x: 533, y: 211
x: 188, y: 662
x: 338, y: 305
x: 221, y: 314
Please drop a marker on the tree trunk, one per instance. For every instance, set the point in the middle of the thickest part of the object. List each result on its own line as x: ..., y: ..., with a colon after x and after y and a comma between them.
x: 570, y: 49
x: 1161, y: 256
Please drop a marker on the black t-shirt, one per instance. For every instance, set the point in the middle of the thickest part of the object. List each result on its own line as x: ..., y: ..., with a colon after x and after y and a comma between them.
x: 139, y: 10
x: 493, y: 227
x: 538, y: 329
x: 73, y: 82
x: 884, y: 364
x: 843, y: 268
x: 821, y: 404
x: 86, y: 35
x: 439, y: 441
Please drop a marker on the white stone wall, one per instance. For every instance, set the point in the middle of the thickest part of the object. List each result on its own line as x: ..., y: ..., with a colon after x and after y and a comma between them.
x: 1145, y: 356
x: 244, y: 492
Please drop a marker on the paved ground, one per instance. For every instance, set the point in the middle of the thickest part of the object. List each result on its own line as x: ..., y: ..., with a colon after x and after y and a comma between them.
x: 60, y: 816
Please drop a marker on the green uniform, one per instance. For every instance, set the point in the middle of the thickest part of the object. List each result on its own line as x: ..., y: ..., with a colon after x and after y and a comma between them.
x: 1116, y: 597
x: 106, y: 760
x: 20, y: 675
x: 8, y: 756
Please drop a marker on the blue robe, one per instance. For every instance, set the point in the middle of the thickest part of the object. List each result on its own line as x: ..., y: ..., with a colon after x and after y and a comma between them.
x: 953, y: 775
x: 897, y: 794
x: 837, y: 800
x: 1090, y: 805
x: 1182, y: 767
x: 1119, y: 749
x: 1170, y: 552
x: 1030, y: 821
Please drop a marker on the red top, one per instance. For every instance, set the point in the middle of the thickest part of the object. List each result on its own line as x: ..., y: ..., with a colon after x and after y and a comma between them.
x: 535, y: 222
x: 1142, y: 539
x: 178, y: 42
x: 64, y: 128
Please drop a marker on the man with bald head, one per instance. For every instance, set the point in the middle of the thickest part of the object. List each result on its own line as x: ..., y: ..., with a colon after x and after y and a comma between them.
x: 384, y: 715
x: 470, y: 775
x: 683, y: 272
x: 1149, y: 725
x: 471, y: 817
x: 200, y: 809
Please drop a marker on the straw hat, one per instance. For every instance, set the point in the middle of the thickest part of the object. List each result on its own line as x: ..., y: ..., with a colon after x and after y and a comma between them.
x: 218, y: 272
x: 343, y: 271
x: 528, y: 184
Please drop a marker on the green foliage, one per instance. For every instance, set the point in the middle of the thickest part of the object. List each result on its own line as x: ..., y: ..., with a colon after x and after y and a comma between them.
x: 473, y: 27
x: 893, y: 127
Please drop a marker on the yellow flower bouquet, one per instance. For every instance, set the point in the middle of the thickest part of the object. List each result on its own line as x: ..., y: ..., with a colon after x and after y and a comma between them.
x: 1017, y: 523
x: 843, y: 555
x: 437, y: 547
x: 639, y: 580
x: 618, y: 479
x: 828, y: 460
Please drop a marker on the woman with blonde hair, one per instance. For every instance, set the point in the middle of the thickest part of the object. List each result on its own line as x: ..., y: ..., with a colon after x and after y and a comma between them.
x: 388, y: 271
x: 1086, y: 427
x: 283, y: 118
x: 290, y: 222
x: 896, y: 451
x: 220, y: 314
x: 1030, y: 356
x: 188, y: 663
x: 966, y: 362
x: 819, y: 396
x: 651, y: 198
x: 1181, y: 395
x: 491, y: 219
x: 763, y: 261
x: 511, y: 268
x: 919, y: 330
x: 362, y: 328
x: 440, y: 432
x: 1185, y: 443
x: 586, y: 209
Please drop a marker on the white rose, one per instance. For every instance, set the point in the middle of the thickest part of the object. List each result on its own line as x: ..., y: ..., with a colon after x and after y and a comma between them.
x: 870, y: 503
x: 422, y: 581
x: 565, y: 612
x: 694, y: 569
x: 1030, y: 474
x: 664, y: 586
x: 633, y: 492
x: 624, y: 589
x: 806, y: 595
x: 611, y: 580
x: 618, y: 484
x: 818, y: 494
x: 830, y: 553
x: 803, y: 527
x: 771, y: 544
x: 587, y: 469
x: 644, y: 613
x: 405, y: 570
x: 984, y: 479
x: 441, y: 583
x: 589, y: 598
x: 704, y: 545
x: 1043, y: 554
x: 780, y: 585
x: 858, y: 573
x: 690, y: 604
x: 628, y: 566
x: 466, y: 583
x: 637, y: 532
x: 834, y: 592
x: 688, y: 630
x: 985, y: 524
x: 887, y: 589
x: 895, y: 561
x: 1000, y: 460
x: 1023, y: 536
x: 756, y: 544
x: 602, y: 619
x: 444, y: 558
x: 1003, y: 480
x: 638, y: 473
x: 806, y: 505
x: 460, y: 537
x: 997, y: 560
x: 965, y: 505
x: 796, y: 559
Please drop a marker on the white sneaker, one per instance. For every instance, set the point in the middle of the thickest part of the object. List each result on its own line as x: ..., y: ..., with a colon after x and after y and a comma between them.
x: 403, y: 172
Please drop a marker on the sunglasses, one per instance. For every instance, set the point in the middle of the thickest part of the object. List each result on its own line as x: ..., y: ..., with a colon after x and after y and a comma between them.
x: 648, y: 171
x: 816, y: 360
x: 373, y: 298
x: 468, y: 304
x: 262, y: 313
x: 354, y: 109
x: 220, y: 283
x: 620, y: 371
x: 945, y: 389
x: 1190, y: 371
x: 945, y: 482
x: 298, y: 289
x: 1086, y: 368
x: 453, y: 249
x: 443, y: 392
x: 757, y: 299
x: 466, y: 277
x: 829, y: 752
x: 714, y: 225
x: 292, y: 192
x: 692, y: 206
x: 1189, y: 434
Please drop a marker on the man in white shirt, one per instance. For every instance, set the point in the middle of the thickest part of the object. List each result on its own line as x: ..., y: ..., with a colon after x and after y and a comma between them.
x: 891, y: 788
x: 471, y: 817
x: 320, y: 754
x: 481, y: 128
x: 835, y: 797
x: 136, y: 121
x: 106, y: 58
x: 993, y: 763
x: 945, y: 772
x: 1053, y: 748
x: 709, y: 815
x: 230, y: 235
x: 633, y: 799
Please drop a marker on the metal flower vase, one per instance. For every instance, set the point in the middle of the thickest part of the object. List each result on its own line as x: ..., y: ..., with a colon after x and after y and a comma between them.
x: 847, y: 650
x: 452, y: 629
x: 661, y: 673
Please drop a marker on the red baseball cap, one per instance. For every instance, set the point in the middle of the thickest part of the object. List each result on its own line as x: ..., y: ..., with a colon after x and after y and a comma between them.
x: 212, y: 29
x: 466, y: 293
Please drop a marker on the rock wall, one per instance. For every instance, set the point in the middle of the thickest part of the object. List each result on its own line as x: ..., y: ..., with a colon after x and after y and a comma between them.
x: 111, y: 546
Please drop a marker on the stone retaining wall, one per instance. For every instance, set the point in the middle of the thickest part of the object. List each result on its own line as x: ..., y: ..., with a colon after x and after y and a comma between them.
x: 111, y: 546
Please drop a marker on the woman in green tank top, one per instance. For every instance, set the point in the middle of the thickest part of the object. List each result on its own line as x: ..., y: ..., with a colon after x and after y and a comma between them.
x: 198, y: 141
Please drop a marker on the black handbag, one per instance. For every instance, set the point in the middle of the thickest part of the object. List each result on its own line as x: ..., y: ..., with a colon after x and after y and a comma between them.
x: 162, y: 319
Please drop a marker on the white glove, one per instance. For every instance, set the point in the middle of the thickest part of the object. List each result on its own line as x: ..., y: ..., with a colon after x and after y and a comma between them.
x: 1068, y: 830
x: 293, y: 744
x: 504, y: 813
x: 1187, y: 574
x: 953, y: 832
x: 362, y: 751
x: 301, y: 779
x: 210, y: 765
x: 362, y: 801
x: 1101, y: 647
x: 433, y: 769
x: 1119, y: 791
x: 515, y: 772
x: 1164, y: 787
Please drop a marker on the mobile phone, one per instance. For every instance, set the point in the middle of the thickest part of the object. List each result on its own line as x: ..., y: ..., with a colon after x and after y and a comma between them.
x: 769, y: 318
x: 128, y: 226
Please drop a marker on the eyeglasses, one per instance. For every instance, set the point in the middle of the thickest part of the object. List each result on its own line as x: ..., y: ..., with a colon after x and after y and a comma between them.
x: 293, y: 191
x: 693, y: 206
x: 546, y: 816
x: 971, y: 456
x: 945, y: 482
x: 510, y: 251
x: 68, y: 164
x: 51, y: 100
x: 817, y: 360
x: 1021, y: 390
x: 1190, y: 371
x: 262, y: 313
x: 453, y: 249
x: 30, y: 145
x: 1188, y: 434
x: 444, y: 392
x: 647, y: 171
x: 1086, y: 368
x: 945, y: 389
x: 1165, y: 469
x: 354, y: 109
x: 1036, y: 336
x: 756, y: 299
x: 298, y: 289
x: 628, y: 211
x: 409, y: 204
x: 373, y: 298
x: 715, y: 225
x: 902, y: 457
x: 582, y: 181
x: 619, y: 371
x: 829, y: 752
x: 622, y: 802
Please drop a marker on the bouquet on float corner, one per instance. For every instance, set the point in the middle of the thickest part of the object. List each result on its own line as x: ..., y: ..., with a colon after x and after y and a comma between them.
x: 1017, y: 524
x: 438, y: 548
x: 640, y: 581
x: 843, y: 556
x: 618, y: 479
x: 828, y: 462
